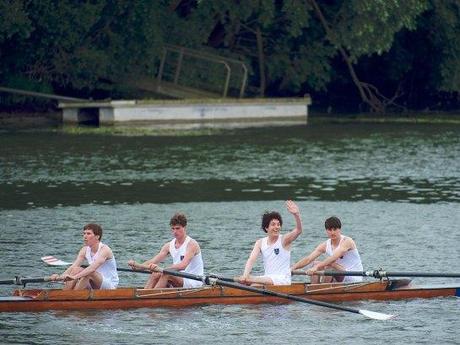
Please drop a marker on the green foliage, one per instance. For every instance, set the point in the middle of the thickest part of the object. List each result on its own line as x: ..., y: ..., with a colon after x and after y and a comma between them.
x: 78, y: 46
x: 14, y: 20
x: 445, y: 36
x: 368, y: 27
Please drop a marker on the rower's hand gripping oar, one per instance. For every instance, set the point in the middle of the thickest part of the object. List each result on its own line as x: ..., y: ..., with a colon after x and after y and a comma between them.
x: 53, y: 261
x: 215, y: 281
x: 379, y: 274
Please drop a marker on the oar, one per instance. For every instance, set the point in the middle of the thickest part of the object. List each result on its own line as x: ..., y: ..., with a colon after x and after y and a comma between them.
x: 215, y: 281
x: 381, y: 274
x: 23, y: 281
x: 53, y: 261
x: 227, y: 279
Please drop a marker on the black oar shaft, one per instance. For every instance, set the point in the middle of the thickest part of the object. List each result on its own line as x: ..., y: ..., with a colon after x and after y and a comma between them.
x: 227, y: 279
x: 133, y: 271
x: 8, y: 282
x: 24, y: 281
x: 383, y: 274
x: 283, y: 295
x: 211, y: 281
x: 120, y: 269
x: 417, y: 274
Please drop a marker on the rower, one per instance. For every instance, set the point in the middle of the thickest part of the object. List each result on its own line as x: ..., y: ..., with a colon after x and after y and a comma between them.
x: 275, y: 249
x: 342, y: 255
x: 186, y: 255
x: 102, y: 270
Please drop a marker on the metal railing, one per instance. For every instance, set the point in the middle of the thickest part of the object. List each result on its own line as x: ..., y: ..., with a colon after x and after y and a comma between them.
x: 41, y: 94
x: 192, y: 68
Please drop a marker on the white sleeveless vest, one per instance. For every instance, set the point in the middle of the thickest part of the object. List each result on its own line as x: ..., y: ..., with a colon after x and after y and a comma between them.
x: 277, y: 260
x: 108, y: 269
x: 196, y: 264
x: 351, y: 260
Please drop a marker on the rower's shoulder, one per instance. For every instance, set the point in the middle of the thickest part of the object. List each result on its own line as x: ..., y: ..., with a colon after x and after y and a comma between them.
x: 322, y: 246
x: 193, y: 242
x: 349, y: 241
x: 348, y: 238
x: 106, y: 248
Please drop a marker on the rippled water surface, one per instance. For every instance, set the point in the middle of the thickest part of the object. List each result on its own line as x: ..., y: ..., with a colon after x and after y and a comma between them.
x: 396, y: 189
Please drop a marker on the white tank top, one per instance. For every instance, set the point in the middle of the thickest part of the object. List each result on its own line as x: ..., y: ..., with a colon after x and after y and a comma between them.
x: 277, y: 260
x: 108, y: 269
x: 196, y: 264
x: 351, y: 260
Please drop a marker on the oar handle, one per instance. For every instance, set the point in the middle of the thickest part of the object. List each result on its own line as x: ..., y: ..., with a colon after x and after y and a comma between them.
x: 141, y: 268
x: 299, y: 273
x: 23, y: 281
x: 227, y: 279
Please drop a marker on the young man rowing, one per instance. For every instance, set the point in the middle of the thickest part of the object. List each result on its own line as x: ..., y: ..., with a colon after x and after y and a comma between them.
x: 186, y: 255
x: 102, y: 270
x: 275, y: 250
x: 342, y: 255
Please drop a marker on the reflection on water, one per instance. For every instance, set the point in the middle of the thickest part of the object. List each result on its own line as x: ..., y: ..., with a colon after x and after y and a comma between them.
x: 396, y: 190
x: 29, y: 194
x: 418, y: 163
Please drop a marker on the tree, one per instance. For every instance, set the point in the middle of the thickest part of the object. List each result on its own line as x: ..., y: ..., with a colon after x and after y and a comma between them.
x: 293, y: 43
x: 362, y: 28
x: 81, y: 45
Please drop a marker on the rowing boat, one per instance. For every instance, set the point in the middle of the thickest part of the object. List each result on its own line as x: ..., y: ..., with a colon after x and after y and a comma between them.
x: 33, y: 300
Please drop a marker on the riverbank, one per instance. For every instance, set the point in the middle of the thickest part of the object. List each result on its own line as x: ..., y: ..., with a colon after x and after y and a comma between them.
x: 28, y: 120
x: 409, y: 117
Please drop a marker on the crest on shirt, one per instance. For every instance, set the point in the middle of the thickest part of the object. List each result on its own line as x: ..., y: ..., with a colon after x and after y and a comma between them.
x: 181, y: 257
x: 276, y: 250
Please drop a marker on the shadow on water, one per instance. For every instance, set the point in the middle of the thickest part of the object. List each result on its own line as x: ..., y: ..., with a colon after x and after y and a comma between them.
x: 412, y: 163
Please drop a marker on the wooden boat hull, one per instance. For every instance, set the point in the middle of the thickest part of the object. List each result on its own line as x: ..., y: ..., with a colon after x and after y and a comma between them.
x: 34, y: 300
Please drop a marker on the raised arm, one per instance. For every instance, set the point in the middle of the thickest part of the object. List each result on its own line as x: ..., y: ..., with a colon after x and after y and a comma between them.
x: 320, y: 249
x: 293, y: 234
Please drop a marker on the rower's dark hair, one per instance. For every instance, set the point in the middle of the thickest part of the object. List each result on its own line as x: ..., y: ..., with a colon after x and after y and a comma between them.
x: 332, y: 223
x: 178, y: 219
x: 95, y: 228
x: 267, y: 217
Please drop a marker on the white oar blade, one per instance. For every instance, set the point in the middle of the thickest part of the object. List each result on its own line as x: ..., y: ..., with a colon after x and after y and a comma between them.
x: 53, y: 261
x: 376, y: 316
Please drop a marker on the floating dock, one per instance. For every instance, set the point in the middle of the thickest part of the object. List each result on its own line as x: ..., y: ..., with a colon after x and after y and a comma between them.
x: 237, y: 112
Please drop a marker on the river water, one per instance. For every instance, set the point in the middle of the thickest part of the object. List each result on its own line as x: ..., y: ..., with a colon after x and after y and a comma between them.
x: 396, y: 189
